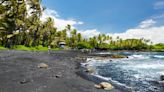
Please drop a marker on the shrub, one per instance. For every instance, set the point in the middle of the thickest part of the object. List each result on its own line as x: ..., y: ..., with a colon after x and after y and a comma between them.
x: 41, y: 48
x: 22, y: 47
x: 83, y: 45
x: 103, y: 46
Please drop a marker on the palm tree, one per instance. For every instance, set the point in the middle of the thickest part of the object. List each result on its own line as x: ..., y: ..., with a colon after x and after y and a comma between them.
x: 93, y: 41
x: 36, y: 7
x: 73, y: 39
x: 46, y: 30
x: 100, y: 39
x: 12, y: 17
x: 68, y: 27
x: 79, y: 37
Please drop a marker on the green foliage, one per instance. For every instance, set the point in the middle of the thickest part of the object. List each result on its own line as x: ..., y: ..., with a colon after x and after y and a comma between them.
x: 84, y: 45
x: 55, y: 49
x: 112, y: 47
x: 22, y: 47
x: 27, y: 32
x: 129, y: 44
x: 37, y: 48
x: 103, y: 46
x: 2, y: 48
x: 41, y: 48
x: 158, y: 47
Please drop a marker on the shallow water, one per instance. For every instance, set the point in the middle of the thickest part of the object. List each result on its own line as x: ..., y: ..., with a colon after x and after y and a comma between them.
x: 141, y: 70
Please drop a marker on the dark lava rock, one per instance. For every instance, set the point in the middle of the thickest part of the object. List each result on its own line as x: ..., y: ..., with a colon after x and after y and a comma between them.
x: 162, y: 77
x: 24, y: 81
x: 58, y: 75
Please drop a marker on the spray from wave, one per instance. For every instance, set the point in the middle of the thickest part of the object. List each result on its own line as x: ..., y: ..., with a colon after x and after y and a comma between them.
x: 141, y: 71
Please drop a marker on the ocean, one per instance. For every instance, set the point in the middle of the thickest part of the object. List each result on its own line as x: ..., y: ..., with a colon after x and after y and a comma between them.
x: 140, y: 72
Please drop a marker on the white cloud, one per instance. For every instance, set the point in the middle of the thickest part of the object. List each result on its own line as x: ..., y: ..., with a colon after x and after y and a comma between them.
x: 159, y: 16
x: 146, y: 30
x: 89, y: 33
x: 159, y: 5
x: 80, y: 23
x: 147, y: 23
x: 62, y: 23
x: 59, y: 22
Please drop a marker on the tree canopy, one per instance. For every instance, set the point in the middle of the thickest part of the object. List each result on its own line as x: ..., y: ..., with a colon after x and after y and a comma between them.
x: 20, y: 24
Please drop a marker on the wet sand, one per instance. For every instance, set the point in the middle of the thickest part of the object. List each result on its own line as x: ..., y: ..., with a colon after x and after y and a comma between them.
x: 19, y: 72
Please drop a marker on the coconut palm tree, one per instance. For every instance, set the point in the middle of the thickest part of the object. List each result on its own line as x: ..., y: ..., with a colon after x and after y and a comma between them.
x: 79, y: 37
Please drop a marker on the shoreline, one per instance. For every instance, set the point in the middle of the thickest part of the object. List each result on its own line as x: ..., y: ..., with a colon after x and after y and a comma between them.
x: 19, y: 72
x: 87, y: 73
x: 112, y: 71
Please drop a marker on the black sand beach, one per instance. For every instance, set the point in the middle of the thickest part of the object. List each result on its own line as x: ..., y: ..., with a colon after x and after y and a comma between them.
x: 19, y: 72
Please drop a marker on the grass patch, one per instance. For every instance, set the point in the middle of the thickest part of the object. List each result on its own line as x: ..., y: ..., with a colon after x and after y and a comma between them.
x: 37, y: 48
x: 3, y: 48
x: 55, y: 49
x: 25, y: 48
x: 41, y: 48
x: 22, y: 47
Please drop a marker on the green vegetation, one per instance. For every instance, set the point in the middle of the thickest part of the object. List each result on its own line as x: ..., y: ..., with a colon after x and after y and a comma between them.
x: 84, y: 45
x: 37, y: 48
x: 21, y: 47
x: 130, y: 44
x: 158, y: 47
x: 23, y: 30
x: 3, y: 48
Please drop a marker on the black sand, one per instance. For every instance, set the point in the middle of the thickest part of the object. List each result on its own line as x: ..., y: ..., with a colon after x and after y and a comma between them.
x: 19, y: 72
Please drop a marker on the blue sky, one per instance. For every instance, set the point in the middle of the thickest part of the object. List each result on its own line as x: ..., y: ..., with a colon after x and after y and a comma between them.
x: 105, y: 15
x: 109, y: 16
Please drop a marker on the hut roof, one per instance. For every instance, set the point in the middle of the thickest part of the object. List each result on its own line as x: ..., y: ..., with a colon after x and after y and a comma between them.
x: 60, y: 43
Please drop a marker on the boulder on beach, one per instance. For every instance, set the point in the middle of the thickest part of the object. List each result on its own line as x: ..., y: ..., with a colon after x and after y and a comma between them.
x: 98, y: 86
x: 59, y: 75
x: 105, y: 86
x: 24, y: 81
x: 42, y: 65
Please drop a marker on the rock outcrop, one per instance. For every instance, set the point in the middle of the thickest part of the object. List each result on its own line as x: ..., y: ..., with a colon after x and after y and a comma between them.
x: 42, y: 65
x: 105, y: 86
x: 162, y: 77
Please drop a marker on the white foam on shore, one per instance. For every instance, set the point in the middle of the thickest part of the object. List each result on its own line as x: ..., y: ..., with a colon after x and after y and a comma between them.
x: 149, y: 66
x: 137, y: 76
x: 161, y: 73
x: 158, y: 56
x: 103, y: 53
x: 142, y: 67
x: 139, y: 57
x: 145, y: 56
